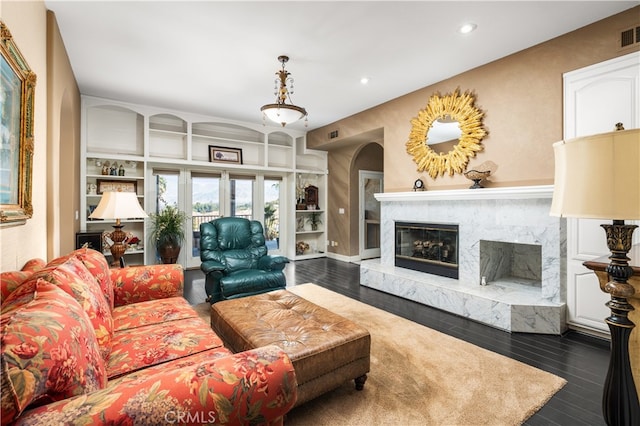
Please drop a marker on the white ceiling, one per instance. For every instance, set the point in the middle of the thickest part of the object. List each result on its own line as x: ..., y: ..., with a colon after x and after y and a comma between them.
x: 220, y: 57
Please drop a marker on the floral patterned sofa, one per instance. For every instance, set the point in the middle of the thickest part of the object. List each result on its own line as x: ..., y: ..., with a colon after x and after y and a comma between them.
x: 85, y: 344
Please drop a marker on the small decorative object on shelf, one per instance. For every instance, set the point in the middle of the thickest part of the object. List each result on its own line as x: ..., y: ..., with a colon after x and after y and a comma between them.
x: 133, y: 242
x: 301, y: 247
x: 121, y: 170
x: 105, y: 168
x: 311, y: 196
x: 314, y: 220
x: 476, y: 176
x: 92, y: 188
x: 418, y: 185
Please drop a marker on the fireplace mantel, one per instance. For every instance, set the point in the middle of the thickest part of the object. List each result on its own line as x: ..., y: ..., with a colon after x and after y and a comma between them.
x: 507, y: 193
x: 506, y: 216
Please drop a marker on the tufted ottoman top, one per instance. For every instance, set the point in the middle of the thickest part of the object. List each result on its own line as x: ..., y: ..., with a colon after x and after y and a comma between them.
x: 324, y: 347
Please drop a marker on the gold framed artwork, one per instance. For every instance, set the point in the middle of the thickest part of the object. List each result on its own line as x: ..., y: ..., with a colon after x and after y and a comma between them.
x: 224, y: 154
x: 453, y: 109
x: 18, y: 84
x: 106, y: 185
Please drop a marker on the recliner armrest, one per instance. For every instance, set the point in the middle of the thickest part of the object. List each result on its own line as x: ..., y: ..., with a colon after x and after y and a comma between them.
x: 272, y: 263
x: 211, y: 265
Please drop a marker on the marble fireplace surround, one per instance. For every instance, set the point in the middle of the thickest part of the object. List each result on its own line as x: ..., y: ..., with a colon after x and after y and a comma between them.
x: 510, y: 215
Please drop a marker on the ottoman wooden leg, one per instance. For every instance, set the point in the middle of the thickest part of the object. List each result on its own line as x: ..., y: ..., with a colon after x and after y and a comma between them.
x: 360, y: 382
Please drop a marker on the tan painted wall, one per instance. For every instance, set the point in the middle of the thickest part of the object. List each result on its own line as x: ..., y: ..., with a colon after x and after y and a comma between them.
x: 52, y: 228
x: 521, y: 96
x: 343, y: 228
x: 63, y: 171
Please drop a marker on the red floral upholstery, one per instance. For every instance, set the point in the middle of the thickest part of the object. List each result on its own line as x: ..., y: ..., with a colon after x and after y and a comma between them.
x: 152, y: 312
x: 153, y: 344
x: 97, y: 265
x: 186, y: 395
x: 72, y: 276
x: 10, y: 280
x: 34, y: 265
x: 49, y: 350
x: 165, y: 364
x: 141, y: 283
x: 209, y: 355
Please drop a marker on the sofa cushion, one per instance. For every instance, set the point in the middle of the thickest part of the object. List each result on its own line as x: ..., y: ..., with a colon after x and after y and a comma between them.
x: 10, y: 280
x: 209, y: 355
x: 151, y: 312
x: 70, y: 274
x: 137, y: 284
x: 154, y: 344
x: 98, y: 266
x: 49, y: 349
x: 34, y: 265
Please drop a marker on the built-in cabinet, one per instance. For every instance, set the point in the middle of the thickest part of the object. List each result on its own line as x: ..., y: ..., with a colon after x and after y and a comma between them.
x: 141, y: 138
x: 595, y: 99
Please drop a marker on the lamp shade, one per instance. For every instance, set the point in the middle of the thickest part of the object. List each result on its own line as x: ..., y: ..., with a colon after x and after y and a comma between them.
x: 118, y: 205
x: 283, y: 113
x: 598, y: 177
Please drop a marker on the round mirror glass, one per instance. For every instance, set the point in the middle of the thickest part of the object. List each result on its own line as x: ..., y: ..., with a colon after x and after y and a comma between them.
x: 443, y: 134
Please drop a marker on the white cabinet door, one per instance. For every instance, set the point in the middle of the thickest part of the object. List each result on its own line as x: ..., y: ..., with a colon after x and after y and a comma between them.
x: 595, y: 99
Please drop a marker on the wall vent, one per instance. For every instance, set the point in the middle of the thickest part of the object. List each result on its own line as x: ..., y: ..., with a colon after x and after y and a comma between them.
x: 629, y: 37
x: 333, y: 134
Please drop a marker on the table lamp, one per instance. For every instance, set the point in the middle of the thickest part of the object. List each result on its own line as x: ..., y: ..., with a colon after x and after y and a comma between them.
x: 598, y: 177
x: 118, y: 205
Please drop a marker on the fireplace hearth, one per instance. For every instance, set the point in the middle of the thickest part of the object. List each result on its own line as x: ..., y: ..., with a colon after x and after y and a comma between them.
x: 427, y: 247
x: 506, y: 236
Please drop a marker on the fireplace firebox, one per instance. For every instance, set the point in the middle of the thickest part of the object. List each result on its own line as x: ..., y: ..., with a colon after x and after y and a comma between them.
x: 427, y: 247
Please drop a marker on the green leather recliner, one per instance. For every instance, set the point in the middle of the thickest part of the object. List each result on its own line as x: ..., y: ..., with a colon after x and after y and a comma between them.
x: 235, y: 260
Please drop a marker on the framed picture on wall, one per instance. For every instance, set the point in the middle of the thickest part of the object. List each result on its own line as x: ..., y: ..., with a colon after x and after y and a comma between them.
x: 105, y: 185
x: 225, y: 155
x: 17, y: 86
x: 93, y: 240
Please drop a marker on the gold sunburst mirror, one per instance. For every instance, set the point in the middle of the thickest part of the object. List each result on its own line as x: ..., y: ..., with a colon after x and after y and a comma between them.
x: 446, y: 134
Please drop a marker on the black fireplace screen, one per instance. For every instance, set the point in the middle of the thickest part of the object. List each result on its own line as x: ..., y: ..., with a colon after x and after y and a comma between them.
x: 427, y: 247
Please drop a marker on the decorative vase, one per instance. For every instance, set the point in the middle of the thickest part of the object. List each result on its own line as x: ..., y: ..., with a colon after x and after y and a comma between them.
x: 477, y: 176
x: 169, y: 253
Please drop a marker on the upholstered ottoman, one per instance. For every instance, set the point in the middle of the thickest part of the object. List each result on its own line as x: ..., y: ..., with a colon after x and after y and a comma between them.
x: 326, y: 349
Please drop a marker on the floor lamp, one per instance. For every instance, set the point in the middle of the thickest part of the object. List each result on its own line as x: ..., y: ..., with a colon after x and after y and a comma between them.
x: 118, y: 205
x: 598, y: 177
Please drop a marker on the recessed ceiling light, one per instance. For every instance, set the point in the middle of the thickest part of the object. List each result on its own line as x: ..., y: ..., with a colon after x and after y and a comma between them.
x: 364, y: 80
x: 467, y: 28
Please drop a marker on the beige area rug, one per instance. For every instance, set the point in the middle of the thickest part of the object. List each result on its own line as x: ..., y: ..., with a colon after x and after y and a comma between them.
x: 422, y: 377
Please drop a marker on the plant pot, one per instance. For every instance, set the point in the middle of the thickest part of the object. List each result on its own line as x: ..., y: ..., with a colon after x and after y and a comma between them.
x: 169, y: 253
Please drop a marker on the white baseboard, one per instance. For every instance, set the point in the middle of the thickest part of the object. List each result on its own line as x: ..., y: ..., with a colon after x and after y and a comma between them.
x: 343, y: 258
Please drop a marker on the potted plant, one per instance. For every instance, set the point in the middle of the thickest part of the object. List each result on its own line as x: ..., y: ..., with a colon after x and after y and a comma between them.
x: 167, y: 232
x: 314, y: 220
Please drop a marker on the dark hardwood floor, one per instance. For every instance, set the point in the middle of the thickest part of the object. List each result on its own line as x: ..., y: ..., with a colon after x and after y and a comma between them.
x: 582, y: 360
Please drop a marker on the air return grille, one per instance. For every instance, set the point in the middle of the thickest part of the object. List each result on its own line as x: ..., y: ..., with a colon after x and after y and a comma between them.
x: 629, y: 36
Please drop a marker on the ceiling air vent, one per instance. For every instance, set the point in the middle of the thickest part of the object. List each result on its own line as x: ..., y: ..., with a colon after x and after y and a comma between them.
x: 629, y: 36
x: 333, y: 134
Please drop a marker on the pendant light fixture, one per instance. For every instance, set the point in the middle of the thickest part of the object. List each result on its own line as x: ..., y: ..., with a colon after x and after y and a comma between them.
x: 282, y: 112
